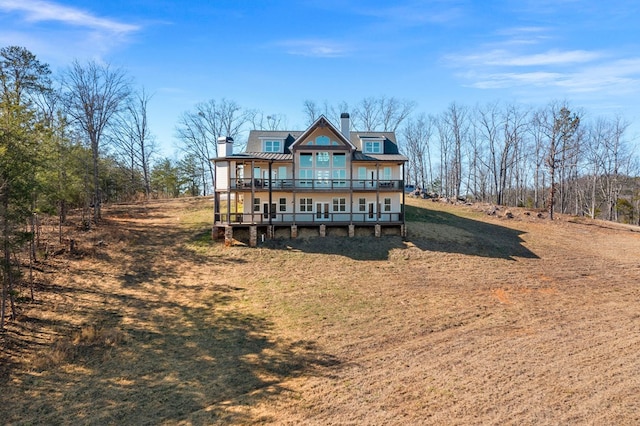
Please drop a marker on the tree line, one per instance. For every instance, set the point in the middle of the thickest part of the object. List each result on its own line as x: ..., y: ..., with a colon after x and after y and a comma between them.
x: 82, y: 138
x: 551, y: 157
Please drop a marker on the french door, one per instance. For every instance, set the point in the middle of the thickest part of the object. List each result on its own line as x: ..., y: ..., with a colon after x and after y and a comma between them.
x: 322, y: 211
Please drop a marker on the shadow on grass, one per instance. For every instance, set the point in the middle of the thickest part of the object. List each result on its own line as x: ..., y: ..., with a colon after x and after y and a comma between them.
x: 435, y: 230
x: 428, y: 230
x: 200, y: 365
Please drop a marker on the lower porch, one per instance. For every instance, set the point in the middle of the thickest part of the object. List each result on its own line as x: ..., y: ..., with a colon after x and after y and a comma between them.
x: 253, y: 234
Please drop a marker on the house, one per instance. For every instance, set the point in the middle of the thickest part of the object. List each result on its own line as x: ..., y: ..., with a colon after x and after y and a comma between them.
x: 323, y: 178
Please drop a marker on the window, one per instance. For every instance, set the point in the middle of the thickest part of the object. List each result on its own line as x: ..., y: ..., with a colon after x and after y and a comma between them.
x: 306, y: 204
x: 362, y: 204
x: 306, y: 160
x: 306, y: 177
x: 272, y: 146
x: 322, y: 159
x: 339, y: 161
x: 386, y: 173
x: 322, y: 178
x: 339, y: 177
x: 322, y: 140
x: 283, y: 204
x: 387, y: 204
x: 362, y: 173
x: 339, y: 204
x: 256, y: 204
x: 373, y: 147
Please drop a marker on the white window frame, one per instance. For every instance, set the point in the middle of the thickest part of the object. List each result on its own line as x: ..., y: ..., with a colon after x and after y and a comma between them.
x: 272, y: 145
x: 306, y: 205
x: 339, y: 204
x: 372, y: 147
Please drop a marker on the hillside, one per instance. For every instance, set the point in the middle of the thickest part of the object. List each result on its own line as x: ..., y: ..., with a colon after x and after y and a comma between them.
x: 472, y: 319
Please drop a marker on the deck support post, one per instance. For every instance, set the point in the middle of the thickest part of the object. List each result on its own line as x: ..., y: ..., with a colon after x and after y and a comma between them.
x: 378, y: 230
x: 352, y: 231
x: 294, y: 231
x: 217, y: 233
x: 228, y: 236
x: 253, y: 236
x: 323, y: 230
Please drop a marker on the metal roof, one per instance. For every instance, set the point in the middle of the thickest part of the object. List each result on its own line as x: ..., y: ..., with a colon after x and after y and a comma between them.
x: 359, y: 156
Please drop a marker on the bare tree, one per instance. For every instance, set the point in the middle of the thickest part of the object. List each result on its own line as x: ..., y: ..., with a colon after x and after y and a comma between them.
x: 381, y: 114
x: 199, y: 130
x: 133, y: 138
x: 313, y: 111
x: 417, y: 134
x: 94, y: 95
x: 260, y: 121
x: 455, y: 119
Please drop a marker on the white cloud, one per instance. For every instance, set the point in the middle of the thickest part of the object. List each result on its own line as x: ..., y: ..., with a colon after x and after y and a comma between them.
x: 314, y: 48
x: 502, y: 57
x: 618, y: 77
x: 41, y: 11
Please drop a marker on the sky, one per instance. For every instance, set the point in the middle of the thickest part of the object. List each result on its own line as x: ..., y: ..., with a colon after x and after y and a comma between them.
x: 274, y: 55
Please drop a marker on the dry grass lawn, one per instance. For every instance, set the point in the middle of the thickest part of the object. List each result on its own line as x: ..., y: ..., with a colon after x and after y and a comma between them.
x: 471, y: 319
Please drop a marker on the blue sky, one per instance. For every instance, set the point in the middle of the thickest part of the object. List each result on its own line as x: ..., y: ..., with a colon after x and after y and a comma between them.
x: 274, y: 55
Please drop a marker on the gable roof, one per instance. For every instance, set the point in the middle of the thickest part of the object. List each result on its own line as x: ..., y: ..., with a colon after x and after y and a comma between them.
x: 292, y: 139
x: 319, y: 123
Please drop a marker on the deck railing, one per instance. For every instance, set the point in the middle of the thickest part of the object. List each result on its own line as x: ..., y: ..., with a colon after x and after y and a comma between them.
x: 316, y: 218
x: 316, y: 184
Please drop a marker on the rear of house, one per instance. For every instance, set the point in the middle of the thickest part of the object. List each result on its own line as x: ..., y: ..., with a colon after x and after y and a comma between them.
x: 322, y: 178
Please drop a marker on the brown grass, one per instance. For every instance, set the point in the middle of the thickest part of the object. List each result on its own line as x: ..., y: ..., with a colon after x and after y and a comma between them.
x: 472, y: 319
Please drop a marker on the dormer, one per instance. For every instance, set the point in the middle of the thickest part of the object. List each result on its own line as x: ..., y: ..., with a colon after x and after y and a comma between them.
x: 271, y: 144
x: 372, y: 144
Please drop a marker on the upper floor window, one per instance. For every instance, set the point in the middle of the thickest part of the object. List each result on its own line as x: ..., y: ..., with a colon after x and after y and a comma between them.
x: 306, y: 160
x: 372, y: 147
x: 322, y: 159
x: 272, y: 146
x: 322, y: 140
